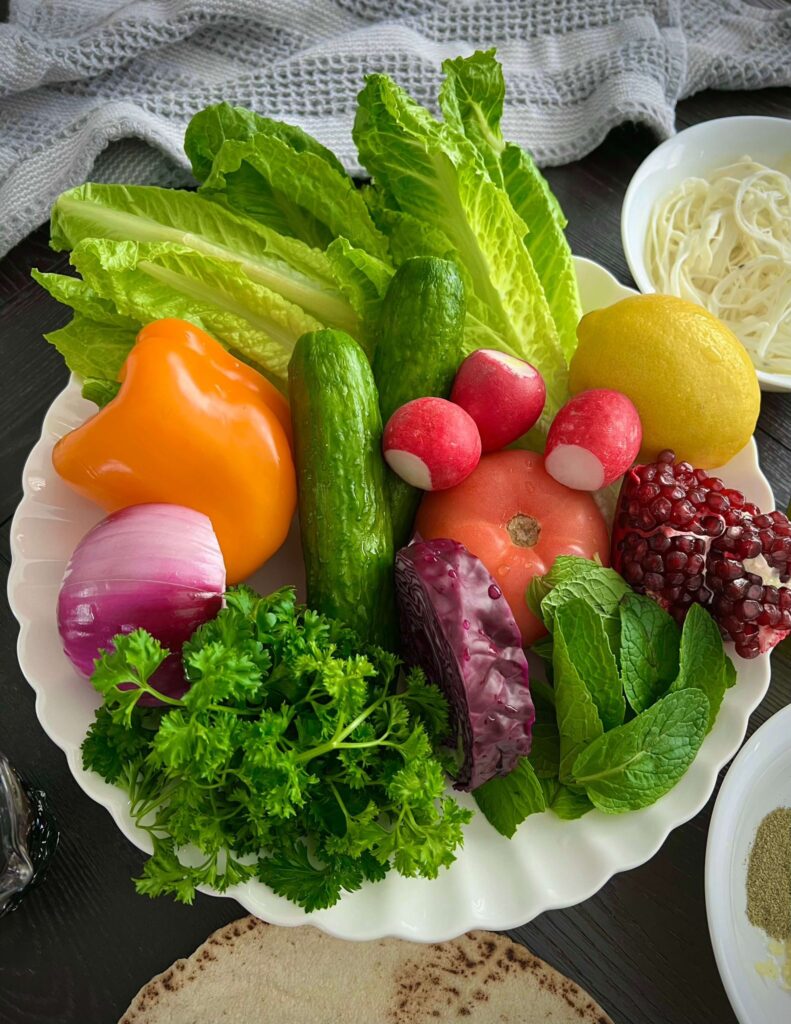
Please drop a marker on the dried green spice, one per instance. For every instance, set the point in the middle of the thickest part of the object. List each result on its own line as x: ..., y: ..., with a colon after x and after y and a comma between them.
x: 769, y: 875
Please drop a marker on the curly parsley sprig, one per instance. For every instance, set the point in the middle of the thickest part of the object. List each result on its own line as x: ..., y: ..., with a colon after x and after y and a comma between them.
x: 296, y: 756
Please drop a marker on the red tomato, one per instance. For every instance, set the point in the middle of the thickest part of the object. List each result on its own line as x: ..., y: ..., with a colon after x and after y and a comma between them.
x: 517, y: 520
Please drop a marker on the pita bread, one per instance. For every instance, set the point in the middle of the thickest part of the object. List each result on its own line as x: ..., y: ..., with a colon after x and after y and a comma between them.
x: 253, y: 973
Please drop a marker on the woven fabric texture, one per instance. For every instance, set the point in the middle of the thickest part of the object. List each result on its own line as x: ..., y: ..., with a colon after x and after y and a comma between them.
x: 102, y: 89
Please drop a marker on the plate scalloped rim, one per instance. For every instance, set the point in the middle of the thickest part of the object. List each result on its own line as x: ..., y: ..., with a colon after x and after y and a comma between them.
x: 495, y: 883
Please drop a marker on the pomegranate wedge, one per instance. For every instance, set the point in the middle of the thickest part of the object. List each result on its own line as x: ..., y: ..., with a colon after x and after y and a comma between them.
x: 683, y: 537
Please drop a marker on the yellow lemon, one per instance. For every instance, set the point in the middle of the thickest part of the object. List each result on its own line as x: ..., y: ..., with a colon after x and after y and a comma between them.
x: 689, y: 376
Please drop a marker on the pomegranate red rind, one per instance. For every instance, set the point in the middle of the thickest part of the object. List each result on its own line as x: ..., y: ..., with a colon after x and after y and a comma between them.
x: 683, y: 537
x: 457, y: 626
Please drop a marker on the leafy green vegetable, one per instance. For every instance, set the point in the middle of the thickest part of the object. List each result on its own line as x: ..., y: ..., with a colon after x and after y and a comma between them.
x: 136, y: 213
x: 545, y: 748
x: 471, y: 99
x: 578, y: 718
x: 92, y: 348
x: 147, y: 281
x: 99, y: 390
x: 569, y: 803
x: 214, y: 125
x: 295, y: 192
x: 296, y: 756
x: 573, y: 577
x: 435, y: 175
x: 508, y: 800
x: 589, y: 650
x: 703, y: 662
x: 637, y: 763
x: 649, y: 650
x: 566, y: 802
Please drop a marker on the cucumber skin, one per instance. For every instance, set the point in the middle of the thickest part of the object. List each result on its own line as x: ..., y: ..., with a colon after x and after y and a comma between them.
x: 418, y: 351
x: 346, y: 529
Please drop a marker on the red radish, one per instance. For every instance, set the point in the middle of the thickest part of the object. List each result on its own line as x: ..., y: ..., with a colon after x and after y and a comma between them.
x: 503, y: 394
x: 431, y: 443
x: 593, y: 440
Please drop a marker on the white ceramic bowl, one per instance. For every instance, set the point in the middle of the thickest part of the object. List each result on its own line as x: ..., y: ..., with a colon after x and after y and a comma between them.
x: 694, y: 152
x: 758, y: 781
x: 496, y: 883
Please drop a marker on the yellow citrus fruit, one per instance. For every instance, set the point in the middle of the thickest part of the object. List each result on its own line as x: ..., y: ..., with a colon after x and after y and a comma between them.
x: 689, y: 376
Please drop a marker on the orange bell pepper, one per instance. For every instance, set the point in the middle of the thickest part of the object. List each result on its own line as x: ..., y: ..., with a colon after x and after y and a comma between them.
x: 191, y: 426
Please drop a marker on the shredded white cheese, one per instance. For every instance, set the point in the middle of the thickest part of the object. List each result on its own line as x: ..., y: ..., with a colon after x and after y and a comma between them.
x: 725, y: 242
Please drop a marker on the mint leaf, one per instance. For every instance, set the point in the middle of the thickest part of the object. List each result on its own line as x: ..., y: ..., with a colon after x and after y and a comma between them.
x: 704, y: 663
x: 507, y: 801
x: 649, y: 650
x: 637, y: 763
x: 573, y: 577
x: 589, y: 650
x: 569, y: 804
x: 545, y: 749
x: 578, y: 718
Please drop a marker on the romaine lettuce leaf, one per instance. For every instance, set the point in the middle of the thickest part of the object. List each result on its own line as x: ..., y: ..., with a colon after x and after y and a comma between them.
x: 363, y: 280
x: 148, y: 281
x: 139, y: 213
x: 91, y: 348
x: 435, y: 174
x: 296, y: 193
x: 210, y: 128
x: 471, y: 99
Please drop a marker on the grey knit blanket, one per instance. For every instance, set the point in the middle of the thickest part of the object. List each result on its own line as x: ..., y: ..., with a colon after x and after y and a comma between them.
x: 102, y: 89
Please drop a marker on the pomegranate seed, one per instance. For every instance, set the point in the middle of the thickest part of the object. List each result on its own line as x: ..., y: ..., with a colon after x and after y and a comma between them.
x: 712, y: 525
x: 683, y: 537
x: 666, y: 456
x: 660, y: 510
x: 718, y: 502
x: 647, y: 493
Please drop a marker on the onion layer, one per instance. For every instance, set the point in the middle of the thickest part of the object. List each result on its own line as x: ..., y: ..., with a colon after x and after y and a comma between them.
x: 155, y: 567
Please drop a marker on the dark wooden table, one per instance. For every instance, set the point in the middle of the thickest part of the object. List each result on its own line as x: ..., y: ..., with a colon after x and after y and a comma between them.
x: 83, y: 943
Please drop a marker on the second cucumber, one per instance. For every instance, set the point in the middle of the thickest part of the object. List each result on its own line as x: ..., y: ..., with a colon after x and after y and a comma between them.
x: 347, y: 534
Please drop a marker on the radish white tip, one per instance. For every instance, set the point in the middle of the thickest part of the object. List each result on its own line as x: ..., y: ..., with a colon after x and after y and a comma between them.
x: 409, y: 467
x: 576, y: 467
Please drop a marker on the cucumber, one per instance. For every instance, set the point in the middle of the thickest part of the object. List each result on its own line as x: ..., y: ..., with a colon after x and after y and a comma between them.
x: 418, y: 351
x: 347, y: 536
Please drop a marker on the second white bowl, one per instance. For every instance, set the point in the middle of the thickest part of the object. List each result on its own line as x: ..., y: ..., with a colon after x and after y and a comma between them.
x: 694, y: 152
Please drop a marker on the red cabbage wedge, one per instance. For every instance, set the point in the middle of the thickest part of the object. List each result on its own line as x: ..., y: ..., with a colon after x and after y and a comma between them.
x: 457, y: 626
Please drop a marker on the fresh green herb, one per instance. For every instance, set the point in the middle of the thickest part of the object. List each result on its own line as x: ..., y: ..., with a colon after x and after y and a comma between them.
x: 572, y: 576
x: 704, y: 663
x: 577, y: 716
x: 545, y: 749
x: 635, y: 764
x: 649, y: 650
x: 508, y: 800
x: 296, y: 756
x: 589, y: 650
x: 602, y: 762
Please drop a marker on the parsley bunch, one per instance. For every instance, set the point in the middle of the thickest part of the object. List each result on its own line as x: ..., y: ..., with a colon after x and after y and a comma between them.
x: 297, y: 756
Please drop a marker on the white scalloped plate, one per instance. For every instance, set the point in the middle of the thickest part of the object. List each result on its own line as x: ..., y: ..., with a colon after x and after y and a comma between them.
x: 495, y: 883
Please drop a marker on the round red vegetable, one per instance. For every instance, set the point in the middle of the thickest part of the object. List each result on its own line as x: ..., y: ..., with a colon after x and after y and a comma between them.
x: 593, y: 439
x: 431, y: 443
x: 457, y: 626
x: 517, y: 520
x: 155, y: 567
x: 683, y: 537
x: 504, y: 395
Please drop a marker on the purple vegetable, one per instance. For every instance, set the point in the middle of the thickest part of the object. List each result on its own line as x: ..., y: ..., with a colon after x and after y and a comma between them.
x: 155, y: 567
x: 457, y: 626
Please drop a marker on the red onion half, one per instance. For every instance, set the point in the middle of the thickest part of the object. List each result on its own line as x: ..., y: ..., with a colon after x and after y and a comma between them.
x: 154, y: 567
